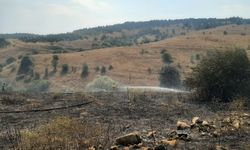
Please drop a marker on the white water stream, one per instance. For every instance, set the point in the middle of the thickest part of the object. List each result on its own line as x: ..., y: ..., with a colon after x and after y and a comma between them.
x: 152, y: 88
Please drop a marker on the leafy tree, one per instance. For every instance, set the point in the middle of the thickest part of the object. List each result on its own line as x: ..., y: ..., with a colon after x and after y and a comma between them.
x: 85, y: 71
x: 169, y: 77
x: 167, y: 58
x: 54, y: 62
x: 103, y: 70
x: 222, y: 75
x: 110, y: 67
x: 97, y: 68
x: 46, y: 73
x: 225, y: 33
x: 10, y: 60
x: 26, y: 66
x: 65, y: 69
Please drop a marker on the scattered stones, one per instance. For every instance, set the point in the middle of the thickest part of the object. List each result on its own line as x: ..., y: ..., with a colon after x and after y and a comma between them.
x: 182, y: 125
x: 129, y: 139
x: 114, y: 148
x: 196, y: 120
x: 236, y: 124
x: 151, y: 134
x: 172, y: 143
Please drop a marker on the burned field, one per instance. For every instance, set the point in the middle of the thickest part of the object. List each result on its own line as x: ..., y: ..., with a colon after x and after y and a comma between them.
x: 105, y: 120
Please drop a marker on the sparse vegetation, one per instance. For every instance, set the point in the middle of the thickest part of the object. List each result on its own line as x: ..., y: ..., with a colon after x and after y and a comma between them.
x: 38, y: 86
x: 3, y: 43
x: 167, y: 58
x: 85, y: 71
x: 10, y: 60
x: 103, y: 70
x: 26, y: 66
x: 110, y: 67
x: 102, y: 83
x: 65, y: 69
x: 169, y: 77
x: 46, y: 73
x: 54, y: 62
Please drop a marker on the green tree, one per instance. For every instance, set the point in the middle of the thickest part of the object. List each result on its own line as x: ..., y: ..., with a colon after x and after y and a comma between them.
x: 46, y: 73
x: 26, y: 66
x: 103, y: 70
x: 221, y: 75
x: 54, y: 62
x: 65, y: 69
x: 85, y: 71
x: 169, y: 77
x: 167, y: 58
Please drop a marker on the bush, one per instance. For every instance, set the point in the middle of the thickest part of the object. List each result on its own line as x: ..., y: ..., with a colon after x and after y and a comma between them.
x: 26, y: 66
x: 46, y: 73
x: 10, y: 60
x: 102, y: 83
x: 110, y: 67
x: 222, y: 75
x: 97, y: 68
x: 65, y: 69
x: 167, y: 58
x: 39, y: 86
x: 225, y: 33
x: 103, y: 70
x: 169, y: 77
x: 85, y: 71
x: 3, y: 43
x: 54, y: 62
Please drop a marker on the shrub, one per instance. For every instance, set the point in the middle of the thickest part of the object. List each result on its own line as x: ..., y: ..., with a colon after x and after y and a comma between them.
x: 103, y: 70
x: 3, y: 43
x: 65, y: 69
x: 54, y: 62
x: 10, y: 60
x: 102, y: 83
x: 110, y: 67
x: 222, y: 75
x: 225, y: 33
x: 163, y: 51
x: 167, y: 58
x: 38, y: 86
x: 26, y: 66
x: 97, y: 68
x: 85, y: 71
x: 46, y: 73
x: 169, y: 77
x: 36, y: 76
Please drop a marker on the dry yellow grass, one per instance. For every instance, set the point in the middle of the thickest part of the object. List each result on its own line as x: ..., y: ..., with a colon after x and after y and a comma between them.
x: 130, y: 66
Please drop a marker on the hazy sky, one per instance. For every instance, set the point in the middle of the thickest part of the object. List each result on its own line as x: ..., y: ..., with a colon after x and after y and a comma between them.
x: 56, y: 16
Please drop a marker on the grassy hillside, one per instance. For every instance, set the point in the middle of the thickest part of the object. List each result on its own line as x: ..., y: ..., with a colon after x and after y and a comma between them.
x: 130, y: 64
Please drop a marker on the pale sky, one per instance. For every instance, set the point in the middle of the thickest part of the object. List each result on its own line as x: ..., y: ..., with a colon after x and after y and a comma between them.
x: 58, y: 16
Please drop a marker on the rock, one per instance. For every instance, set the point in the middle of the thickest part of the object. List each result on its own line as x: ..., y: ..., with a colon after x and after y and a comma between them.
x: 236, y: 124
x: 92, y: 148
x: 205, y: 123
x: 146, y: 148
x: 151, y: 134
x: 182, y: 125
x: 220, y: 148
x: 114, y: 148
x: 129, y: 139
x: 126, y: 148
x: 196, y: 120
x: 160, y: 147
x: 227, y: 120
x: 169, y: 142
